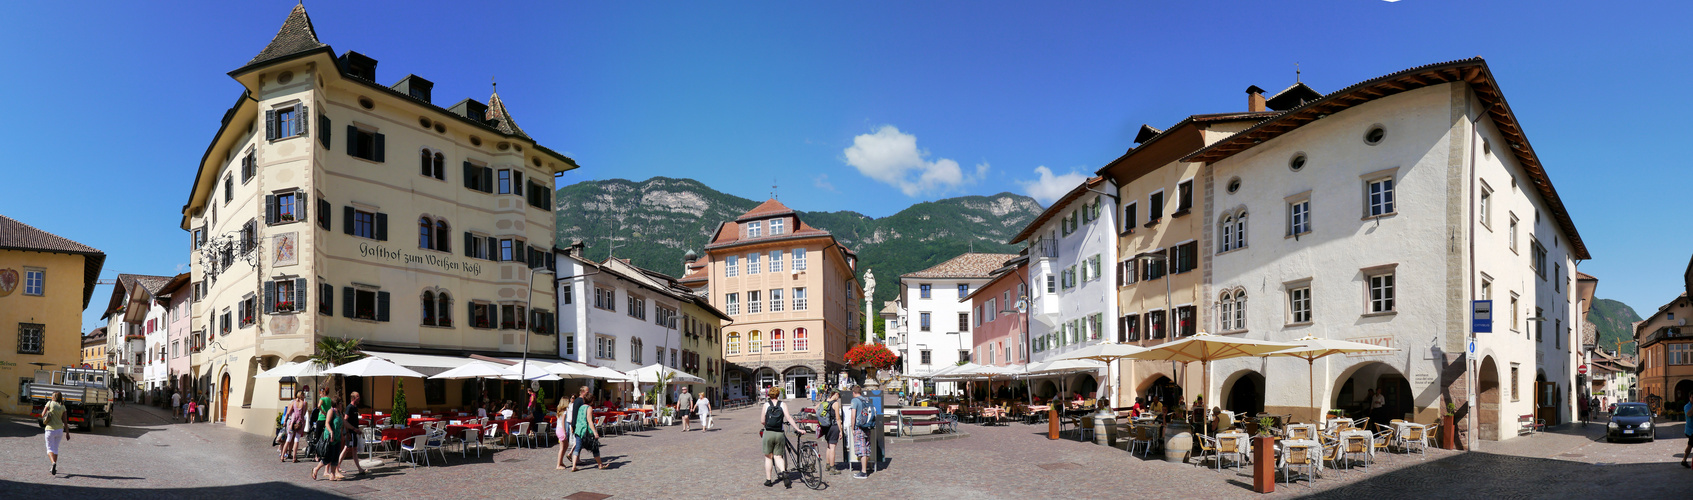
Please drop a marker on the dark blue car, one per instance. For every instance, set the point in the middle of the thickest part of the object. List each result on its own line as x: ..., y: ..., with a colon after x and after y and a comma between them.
x: 1630, y: 421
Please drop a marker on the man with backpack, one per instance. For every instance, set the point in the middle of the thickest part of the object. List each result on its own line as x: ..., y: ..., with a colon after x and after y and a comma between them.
x: 863, y: 420
x: 775, y: 413
x: 829, y: 426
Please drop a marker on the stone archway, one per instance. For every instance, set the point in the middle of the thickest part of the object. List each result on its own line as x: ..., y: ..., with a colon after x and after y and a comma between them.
x: 1357, y: 382
x: 1243, y: 393
x: 1682, y: 391
x: 1487, y: 400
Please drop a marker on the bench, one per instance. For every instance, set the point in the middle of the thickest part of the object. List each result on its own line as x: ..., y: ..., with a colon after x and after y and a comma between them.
x: 1530, y: 425
x: 915, y: 417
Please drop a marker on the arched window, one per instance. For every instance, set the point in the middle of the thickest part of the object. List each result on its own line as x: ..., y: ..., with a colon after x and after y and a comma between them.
x: 428, y: 163
x: 801, y: 343
x: 441, y: 239
x: 428, y: 308
x: 440, y: 166
x: 1240, y: 230
x: 1240, y: 310
x: 1227, y: 231
x: 425, y: 228
x: 734, y: 343
x: 635, y: 345
x: 1225, y: 311
x: 753, y: 339
x: 776, y: 341
x: 443, y: 309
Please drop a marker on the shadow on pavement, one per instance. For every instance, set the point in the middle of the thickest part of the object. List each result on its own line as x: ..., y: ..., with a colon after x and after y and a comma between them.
x: 271, y: 490
x: 93, y: 476
x: 1485, y: 475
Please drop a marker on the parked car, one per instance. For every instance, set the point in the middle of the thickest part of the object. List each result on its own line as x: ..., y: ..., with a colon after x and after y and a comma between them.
x: 1630, y: 421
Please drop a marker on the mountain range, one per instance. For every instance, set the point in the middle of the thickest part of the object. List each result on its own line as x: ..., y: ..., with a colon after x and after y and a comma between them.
x: 1615, y: 321
x: 655, y: 222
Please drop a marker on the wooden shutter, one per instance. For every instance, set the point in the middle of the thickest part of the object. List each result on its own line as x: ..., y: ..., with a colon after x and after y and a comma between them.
x: 300, y: 303
x: 323, y: 205
x: 376, y: 140
x: 323, y: 131
x: 347, y: 301
x: 270, y: 124
x: 469, y: 244
x: 381, y: 226
x: 328, y: 299
x: 303, y: 115
x: 270, y: 209
x: 517, y: 182
x: 487, y: 179
x: 353, y: 141
x: 301, y: 201
x: 382, y: 306
x: 470, y: 175
x: 470, y: 314
x: 347, y: 211
x: 493, y: 248
x: 270, y: 297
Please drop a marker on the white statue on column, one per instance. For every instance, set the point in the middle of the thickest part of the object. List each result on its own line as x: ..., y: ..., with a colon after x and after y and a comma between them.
x: 869, y: 312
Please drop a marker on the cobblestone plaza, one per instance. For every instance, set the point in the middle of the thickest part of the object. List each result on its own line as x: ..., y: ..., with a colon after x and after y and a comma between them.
x: 145, y: 455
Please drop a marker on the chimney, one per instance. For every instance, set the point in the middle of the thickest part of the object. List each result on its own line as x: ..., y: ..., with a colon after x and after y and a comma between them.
x: 1254, y: 99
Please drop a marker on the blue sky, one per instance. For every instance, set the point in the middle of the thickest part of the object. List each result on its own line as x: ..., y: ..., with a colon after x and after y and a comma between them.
x: 866, y: 106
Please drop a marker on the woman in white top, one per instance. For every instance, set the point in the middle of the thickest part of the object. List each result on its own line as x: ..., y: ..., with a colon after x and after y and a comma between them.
x: 702, y: 406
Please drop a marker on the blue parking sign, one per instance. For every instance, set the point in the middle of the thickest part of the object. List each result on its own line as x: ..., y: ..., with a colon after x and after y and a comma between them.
x: 1481, y: 316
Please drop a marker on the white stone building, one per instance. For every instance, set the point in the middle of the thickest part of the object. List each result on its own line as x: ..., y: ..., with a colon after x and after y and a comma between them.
x: 1072, y: 304
x: 936, y: 317
x: 1379, y: 213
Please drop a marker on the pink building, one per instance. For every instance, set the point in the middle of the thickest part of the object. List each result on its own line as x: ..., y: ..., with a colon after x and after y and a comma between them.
x: 176, y: 297
x: 1000, y: 333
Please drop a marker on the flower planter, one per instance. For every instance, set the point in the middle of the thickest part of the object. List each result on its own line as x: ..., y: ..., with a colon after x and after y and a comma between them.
x: 1447, y: 433
x: 1263, y: 464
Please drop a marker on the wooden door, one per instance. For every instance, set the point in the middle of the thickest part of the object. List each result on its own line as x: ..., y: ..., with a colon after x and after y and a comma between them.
x: 223, y: 399
x: 1546, y: 402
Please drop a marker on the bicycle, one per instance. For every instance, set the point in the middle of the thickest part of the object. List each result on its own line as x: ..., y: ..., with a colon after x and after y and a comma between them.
x: 804, y: 460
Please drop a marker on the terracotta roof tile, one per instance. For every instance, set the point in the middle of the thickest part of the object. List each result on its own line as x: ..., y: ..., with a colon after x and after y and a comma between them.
x: 768, y: 208
x: 969, y: 265
x: 14, y: 234
x: 502, y: 118
x: 295, y: 36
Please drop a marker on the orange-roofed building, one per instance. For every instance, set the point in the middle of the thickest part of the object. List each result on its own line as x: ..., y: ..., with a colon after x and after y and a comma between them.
x: 794, y: 296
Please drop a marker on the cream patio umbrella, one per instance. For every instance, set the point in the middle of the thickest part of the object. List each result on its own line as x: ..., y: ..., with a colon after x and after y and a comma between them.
x: 1106, y: 352
x: 1310, y: 348
x: 1205, y: 348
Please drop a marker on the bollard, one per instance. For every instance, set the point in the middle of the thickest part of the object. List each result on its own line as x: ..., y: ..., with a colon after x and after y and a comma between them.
x: 1263, y: 464
x: 1052, y: 422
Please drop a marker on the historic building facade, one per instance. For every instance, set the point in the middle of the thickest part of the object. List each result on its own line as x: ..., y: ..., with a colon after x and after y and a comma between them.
x: 1666, y: 354
x: 940, y: 316
x: 46, y: 281
x: 304, y: 227
x: 793, y: 294
x: 1380, y: 213
x: 999, y: 327
x: 1071, y: 247
x: 126, y: 313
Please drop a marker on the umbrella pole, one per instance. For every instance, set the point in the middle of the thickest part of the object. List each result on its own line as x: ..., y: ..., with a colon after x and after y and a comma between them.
x: 1311, y: 381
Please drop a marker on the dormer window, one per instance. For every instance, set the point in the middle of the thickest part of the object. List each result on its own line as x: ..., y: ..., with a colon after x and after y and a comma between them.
x: 776, y: 226
x: 754, y: 229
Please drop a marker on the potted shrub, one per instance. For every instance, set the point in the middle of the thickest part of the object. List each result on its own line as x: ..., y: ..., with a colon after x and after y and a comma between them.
x: 1448, y: 428
x: 1264, y: 457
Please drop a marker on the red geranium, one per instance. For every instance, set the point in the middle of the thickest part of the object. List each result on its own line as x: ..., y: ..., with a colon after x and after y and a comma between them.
x: 873, y: 355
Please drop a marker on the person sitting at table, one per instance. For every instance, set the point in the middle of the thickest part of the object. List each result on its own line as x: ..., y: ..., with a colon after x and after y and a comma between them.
x: 506, y: 411
x: 617, y: 404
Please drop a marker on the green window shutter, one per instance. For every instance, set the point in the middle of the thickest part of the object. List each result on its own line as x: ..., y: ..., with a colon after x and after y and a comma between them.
x: 353, y: 140
x: 382, y: 306
x: 300, y: 294
x: 469, y: 244
x: 270, y: 209
x: 328, y: 299
x: 376, y: 141
x: 303, y: 114
x: 323, y: 130
x: 270, y: 297
x: 347, y: 301
x: 381, y: 226
x: 470, y: 175
x: 347, y: 220
x: 270, y: 124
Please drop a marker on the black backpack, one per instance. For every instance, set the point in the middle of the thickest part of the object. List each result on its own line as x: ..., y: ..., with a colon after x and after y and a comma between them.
x: 773, y: 417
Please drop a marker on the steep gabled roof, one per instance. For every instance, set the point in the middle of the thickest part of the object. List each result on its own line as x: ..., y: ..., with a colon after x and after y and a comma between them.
x: 969, y: 265
x: 501, y: 118
x: 1473, y: 71
x: 1292, y: 97
x: 296, y: 36
x: 769, y: 208
x: 16, y: 235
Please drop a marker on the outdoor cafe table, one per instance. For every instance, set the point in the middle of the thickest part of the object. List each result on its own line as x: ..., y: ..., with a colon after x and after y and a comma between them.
x: 1335, y: 422
x: 1314, y: 451
x: 1369, y: 439
x: 401, y: 433
x: 1400, y: 429
x: 1241, y: 441
x: 422, y: 420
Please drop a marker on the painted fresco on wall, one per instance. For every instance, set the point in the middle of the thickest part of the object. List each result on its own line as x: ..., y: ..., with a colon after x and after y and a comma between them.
x: 286, y: 249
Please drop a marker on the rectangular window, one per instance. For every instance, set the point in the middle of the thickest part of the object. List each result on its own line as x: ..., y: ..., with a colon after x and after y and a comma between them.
x: 1187, y: 320
x: 799, y: 299
x: 637, y: 307
x: 1539, y: 324
x: 799, y: 259
x: 1299, y: 217
x: 1129, y: 218
x: 923, y: 290
x: 925, y: 356
x: 1485, y: 210
x: 1155, y: 325
x: 732, y: 303
x: 364, y: 144
x: 1051, y: 284
x: 776, y: 227
x: 1184, y: 197
x: 247, y: 311
x: 1539, y: 262
x: 285, y: 208
x: 364, y: 224
x: 323, y: 212
x: 35, y: 281
x: 1379, y: 197
x: 923, y: 322
x: 776, y: 300
x: 1131, y: 325
x: 776, y: 261
x: 755, y: 229
x: 732, y: 266
x: 502, y: 182
x: 1515, y: 395
x: 1381, y: 293
x: 31, y: 336
x: 249, y: 167
x: 1155, y: 207
x: 963, y: 322
x: 1299, y: 305
x: 1516, y: 319
x: 1511, y: 238
x: 754, y: 305
x: 326, y: 299
x: 286, y: 122
x: 963, y: 290
x: 228, y: 193
x: 752, y: 263
x: 507, y: 247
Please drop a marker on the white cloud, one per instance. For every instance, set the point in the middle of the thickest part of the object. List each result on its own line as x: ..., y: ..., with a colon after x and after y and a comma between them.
x: 821, y: 181
x: 1049, y: 188
x: 891, y: 157
x: 182, y: 268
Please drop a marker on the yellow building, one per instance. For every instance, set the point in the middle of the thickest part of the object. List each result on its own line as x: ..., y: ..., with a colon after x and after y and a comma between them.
x: 45, y: 283
x: 793, y: 294
x: 305, y: 227
x: 94, y: 349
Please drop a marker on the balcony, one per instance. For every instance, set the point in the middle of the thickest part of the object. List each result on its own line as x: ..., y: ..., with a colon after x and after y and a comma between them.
x: 1665, y: 333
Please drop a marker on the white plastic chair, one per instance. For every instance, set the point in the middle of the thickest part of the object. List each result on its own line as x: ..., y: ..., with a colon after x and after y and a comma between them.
x: 416, y: 446
x: 522, y: 433
x: 369, y: 439
x: 470, y: 436
x: 542, y: 433
x: 490, y: 434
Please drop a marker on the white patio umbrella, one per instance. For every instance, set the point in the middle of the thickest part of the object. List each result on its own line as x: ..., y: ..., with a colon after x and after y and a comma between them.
x: 372, y: 367
x: 475, y: 369
x: 528, y: 370
x: 569, y: 370
x: 1309, y: 348
x: 608, y: 374
x: 1205, y: 348
x: 649, y: 375
x: 294, y: 369
x: 1106, y: 352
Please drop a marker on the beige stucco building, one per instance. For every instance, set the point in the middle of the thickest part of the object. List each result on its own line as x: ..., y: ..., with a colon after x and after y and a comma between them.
x: 330, y: 205
x: 793, y: 294
x: 45, y: 283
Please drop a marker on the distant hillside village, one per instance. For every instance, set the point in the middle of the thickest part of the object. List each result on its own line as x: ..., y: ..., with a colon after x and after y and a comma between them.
x: 1407, y: 211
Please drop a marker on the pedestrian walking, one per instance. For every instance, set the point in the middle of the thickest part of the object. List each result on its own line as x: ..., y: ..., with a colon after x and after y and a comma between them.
x: 1687, y: 429
x: 176, y: 408
x: 329, y: 442
x: 294, y: 426
x: 828, y: 426
x: 774, y: 439
x: 351, y: 416
x: 587, y: 435
x: 684, y: 407
x: 863, y: 420
x: 191, y: 409
x: 53, y: 420
x: 702, y: 407
x: 567, y: 424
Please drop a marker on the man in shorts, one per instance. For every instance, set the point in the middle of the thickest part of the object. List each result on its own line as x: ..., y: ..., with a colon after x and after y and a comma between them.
x: 773, y: 439
x: 684, y: 407
x: 860, y: 435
